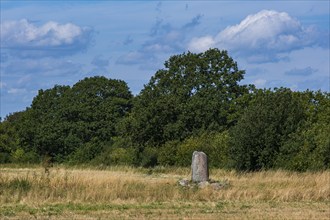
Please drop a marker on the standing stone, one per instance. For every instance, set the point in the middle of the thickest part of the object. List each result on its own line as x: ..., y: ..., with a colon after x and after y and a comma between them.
x: 199, y: 167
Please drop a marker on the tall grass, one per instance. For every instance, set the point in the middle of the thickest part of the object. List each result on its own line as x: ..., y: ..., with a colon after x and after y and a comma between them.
x: 138, y: 193
x: 131, y: 185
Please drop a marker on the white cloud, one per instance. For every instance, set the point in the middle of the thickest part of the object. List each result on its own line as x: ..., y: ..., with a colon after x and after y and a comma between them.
x: 25, y: 39
x: 202, y: 43
x: 263, y: 35
x: 269, y: 29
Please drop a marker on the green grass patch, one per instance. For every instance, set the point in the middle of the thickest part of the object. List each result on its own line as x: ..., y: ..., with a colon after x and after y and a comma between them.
x: 20, y: 184
x: 60, y: 208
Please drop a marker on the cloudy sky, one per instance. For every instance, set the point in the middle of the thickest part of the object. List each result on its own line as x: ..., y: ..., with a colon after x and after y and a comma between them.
x: 43, y: 43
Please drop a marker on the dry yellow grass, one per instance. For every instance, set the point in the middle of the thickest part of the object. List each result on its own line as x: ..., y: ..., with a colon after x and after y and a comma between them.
x: 123, y: 192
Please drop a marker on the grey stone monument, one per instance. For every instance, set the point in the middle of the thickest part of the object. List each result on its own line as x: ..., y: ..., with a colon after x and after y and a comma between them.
x: 199, y: 167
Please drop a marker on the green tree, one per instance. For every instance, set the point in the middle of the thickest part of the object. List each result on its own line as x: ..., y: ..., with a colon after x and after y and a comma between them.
x: 95, y: 105
x: 9, y: 139
x: 42, y: 128
x: 309, y: 147
x: 194, y: 93
x: 268, y: 121
x: 12, y: 148
x: 62, y: 120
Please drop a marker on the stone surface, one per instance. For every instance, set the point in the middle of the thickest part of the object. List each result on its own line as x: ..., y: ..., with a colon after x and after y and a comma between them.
x: 216, y: 186
x: 199, y: 167
x: 212, y: 184
x: 203, y: 184
x: 184, y: 182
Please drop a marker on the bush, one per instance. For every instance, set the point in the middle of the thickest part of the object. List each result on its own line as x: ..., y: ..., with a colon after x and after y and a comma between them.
x: 5, y: 157
x: 149, y: 157
x: 122, y: 156
x: 87, y: 152
x: 186, y: 149
x: 268, y: 121
x: 215, y: 145
x: 167, y: 153
x: 307, y: 149
x: 120, y: 152
x: 219, y: 150
x: 20, y: 156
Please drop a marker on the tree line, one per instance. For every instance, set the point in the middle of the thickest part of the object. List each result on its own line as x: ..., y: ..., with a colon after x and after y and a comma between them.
x: 196, y: 102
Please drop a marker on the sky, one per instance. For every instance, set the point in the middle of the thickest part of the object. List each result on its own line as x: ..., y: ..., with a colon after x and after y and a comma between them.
x: 47, y: 43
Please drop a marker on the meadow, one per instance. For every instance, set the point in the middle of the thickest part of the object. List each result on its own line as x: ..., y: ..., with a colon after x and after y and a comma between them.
x: 141, y: 193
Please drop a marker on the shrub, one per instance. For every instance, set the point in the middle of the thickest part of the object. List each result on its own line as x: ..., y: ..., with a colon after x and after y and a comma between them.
x: 87, y: 152
x: 167, y: 153
x: 5, y: 157
x: 122, y: 156
x: 215, y: 145
x: 21, y: 156
x: 268, y: 121
x: 307, y: 149
x: 149, y: 157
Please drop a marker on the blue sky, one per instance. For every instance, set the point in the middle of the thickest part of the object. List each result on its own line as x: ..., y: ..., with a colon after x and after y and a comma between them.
x: 44, y: 43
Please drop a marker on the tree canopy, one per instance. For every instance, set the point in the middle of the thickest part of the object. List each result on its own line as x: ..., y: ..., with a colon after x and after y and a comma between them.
x: 192, y: 94
x: 265, y: 124
x: 196, y: 102
x: 63, y: 119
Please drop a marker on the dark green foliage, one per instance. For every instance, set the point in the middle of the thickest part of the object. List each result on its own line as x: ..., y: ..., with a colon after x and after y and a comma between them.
x: 95, y: 105
x: 194, y: 93
x: 9, y: 141
x: 75, y: 122
x: 268, y: 121
x: 116, y: 156
x: 168, y: 153
x: 11, y: 147
x: 194, y: 104
x: 42, y: 127
x: 119, y: 152
x: 22, y: 156
x: 215, y: 145
x: 309, y: 147
x: 87, y: 151
x: 149, y: 157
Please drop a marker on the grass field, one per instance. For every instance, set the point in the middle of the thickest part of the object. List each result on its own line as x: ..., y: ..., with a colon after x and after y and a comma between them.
x: 137, y: 193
